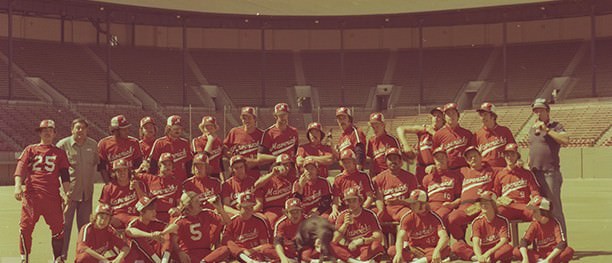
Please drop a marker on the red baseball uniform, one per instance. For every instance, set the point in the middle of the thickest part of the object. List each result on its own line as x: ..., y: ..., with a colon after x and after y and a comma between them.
x: 215, y: 155
x: 276, y: 142
x: 490, y: 234
x: 146, y: 248
x: 313, y: 192
x: 454, y: 141
x: 425, y: 153
x: 364, y: 225
x: 99, y: 240
x: 350, y: 137
x: 395, y: 186
x: 356, y: 179
x: 442, y: 187
x: 546, y: 237
x: 122, y: 201
x: 274, y: 194
x: 310, y: 149
x: 112, y: 148
x: 234, y: 186
x: 421, y: 232
x: 193, y: 233
x: 167, y: 189
x: 245, y: 144
x: 39, y: 167
x: 247, y: 233
x: 520, y: 185
x: 491, y: 142
x: 146, y: 145
x: 377, y: 146
x: 181, y: 154
x: 205, y: 187
x: 287, y: 230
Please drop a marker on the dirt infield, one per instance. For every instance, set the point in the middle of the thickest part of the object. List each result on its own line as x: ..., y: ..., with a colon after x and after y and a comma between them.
x: 587, y: 204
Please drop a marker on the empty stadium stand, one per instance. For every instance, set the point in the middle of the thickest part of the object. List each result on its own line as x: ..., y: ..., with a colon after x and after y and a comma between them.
x: 603, y: 69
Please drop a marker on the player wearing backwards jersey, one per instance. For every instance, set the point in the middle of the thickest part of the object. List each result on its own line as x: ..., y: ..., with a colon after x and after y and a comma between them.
x: 547, y: 235
x: 247, y: 236
x: 477, y: 178
x: 443, y: 186
x: 149, y: 237
x: 323, y: 154
x: 453, y: 138
x: 424, y: 145
x: 174, y: 144
x: 164, y: 186
x: 286, y: 228
x: 490, y: 235
x: 121, y: 194
x: 424, y: 231
x: 358, y: 233
x: 393, y: 187
x: 352, y: 138
x: 313, y: 191
x: 379, y: 144
x: 41, y: 167
x: 190, y: 230
x: 210, y: 144
x: 351, y: 177
x: 238, y: 182
x: 279, y: 138
x: 148, y: 134
x: 98, y: 237
x: 119, y: 145
x: 491, y: 139
x: 205, y: 186
x: 244, y: 140
x: 516, y: 186
x: 273, y: 189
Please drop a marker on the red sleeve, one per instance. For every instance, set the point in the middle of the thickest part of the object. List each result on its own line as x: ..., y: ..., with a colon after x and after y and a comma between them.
x: 477, y: 229
x: 531, y: 232
x: 225, y: 190
x: 533, y: 184
x: 406, y: 224
x: 558, y: 233
x: 436, y: 140
x: 458, y: 184
x: 510, y: 136
x: 104, y: 195
x: 336, y: 191
x: 102, y: 151
x: 328, y: 188
x: 155, y: 152
x: 503, y: 232
x: 368, y: 183
x: 229, y: 139
x: 361, y: 137
x: 24, y: 162
x: 116, y: 241
x: 138, y: 151
x: 370, y: 151
x: 63, y: 162
x: 279, y: 230
x: 228, y: 233
x: 497, y: 184
x: 81, y: 243
x: 266, y: 140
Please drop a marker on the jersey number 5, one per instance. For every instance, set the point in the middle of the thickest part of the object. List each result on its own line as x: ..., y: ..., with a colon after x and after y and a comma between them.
x: 48, y: 164
x: 196, y: 234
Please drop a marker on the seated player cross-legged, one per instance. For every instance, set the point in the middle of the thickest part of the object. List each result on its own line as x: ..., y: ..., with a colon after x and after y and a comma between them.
x: 99, y: 237
x: 546, y: 233
x: 286, y: 229
x: 424, y: 231
x: 490, y: 235
x: 149, y: 239
x: 121, y: 194
x: 443, y: 186
x: 312, y: 190
x: 351, y: 177
x: 358, y: 235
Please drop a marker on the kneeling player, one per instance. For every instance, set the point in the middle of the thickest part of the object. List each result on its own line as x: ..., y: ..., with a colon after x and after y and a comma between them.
x: 286, y: 229
x: 98, y: 237
x: 149, y: 237
x: 424, y: 231
x: 358, y: 233
x: 546, y: 232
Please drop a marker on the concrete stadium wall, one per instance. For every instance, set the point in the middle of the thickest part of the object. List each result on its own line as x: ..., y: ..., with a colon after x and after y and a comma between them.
x: 377, y: 38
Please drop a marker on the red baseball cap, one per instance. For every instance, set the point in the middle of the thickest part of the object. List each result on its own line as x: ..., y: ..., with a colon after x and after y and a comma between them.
x: 393, y: 151
x: 144, y: 202
x: 344, y: 111
x: 120, y: 163
x: 436, y: 109
x: 293, y: 204
x: 310, y: 161
x: 377, y: 117
x: 283, y: 159
x: 200, y: 158
x: 174, y: 120
x: 471, y: 148
x: 512, y: 147
x: 119, y: 122
x: 281, y: 108
x: 186, y: 197
x: 488, y: 195
x: 351, y: 192
x: 146, y: 120
x: 451, y: 106
x: 208, y: 120
x: 165, y: 157
x: 487, y: 107
x: 103, y: 209
x: 249, y: 111
x: 45, y: 124
x: 417, y: 195
x: 246, y: 199
x: 236, y: 159
x: 348, y: 154
x: 316, y: 126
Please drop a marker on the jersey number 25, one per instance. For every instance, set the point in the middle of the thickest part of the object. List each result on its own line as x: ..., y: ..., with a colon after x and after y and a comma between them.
x: 48, y: 164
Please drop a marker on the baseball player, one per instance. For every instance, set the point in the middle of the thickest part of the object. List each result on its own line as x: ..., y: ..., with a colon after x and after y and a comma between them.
x: 443, y: 186
x: 191, y: 229
x: 379, y: 144
x: 358, y: 233
x: 477, y: 178
x: 313, y: 191
x: 149, y: 236
x: 516, y: 186
x: 148, y: 134
x: 274, y: 189
x: 244, y: 140
x: 349, y: 178
x: 98, y: 237
x: 453, y: 138
x: 238, y: 182
x: 425, y: 232
x: 247, y: 236
x: 492, y: 137
x: 424, y: 133
x: 286, y: 228
x: 546, y: 233
x: 321, y: 153
x: 393, y: 186
x: 174, y: 144
x: 119, y: 145
x: 205, y: 186
x: 490, y: 235
x: 41, y: 167
x: 164, y: 186
x: 279, y: 138
x: 352, y: 138
x: 210, y: 144
x: 121, y: 194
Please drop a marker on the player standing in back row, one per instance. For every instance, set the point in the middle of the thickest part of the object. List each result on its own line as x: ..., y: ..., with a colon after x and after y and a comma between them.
x: 279, y: 138
x: 40, y: 167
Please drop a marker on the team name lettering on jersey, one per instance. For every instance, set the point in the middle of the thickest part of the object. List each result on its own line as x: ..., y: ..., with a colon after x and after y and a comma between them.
x: 514, y: 186
x: 164, y: 191
x: 380, y: 152
x: 446, y: 185
x: 490, y: 239
x: 123, y: 201
x: 455, y: 144
x: 545, y: 242
x: 120, y: 155
x: 273, y: 194
x: 396, y: 191
x: 345, y: 144
x: 427, y: 231
x: 278, y: 148
x: 248, y: 236
x: 314, y: 196
x: 177, y: 156
x: 244, y: 149
x: 361, y: 230
x: 492, y: 145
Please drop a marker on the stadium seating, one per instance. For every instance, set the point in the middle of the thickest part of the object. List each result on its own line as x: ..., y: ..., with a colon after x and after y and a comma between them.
x: 322, y: 71
x: 363, y: 70
x: 279, y: 74
x: 604, y: 72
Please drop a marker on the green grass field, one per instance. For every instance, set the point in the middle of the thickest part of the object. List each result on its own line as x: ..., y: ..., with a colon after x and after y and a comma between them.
x: 587, y: 203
